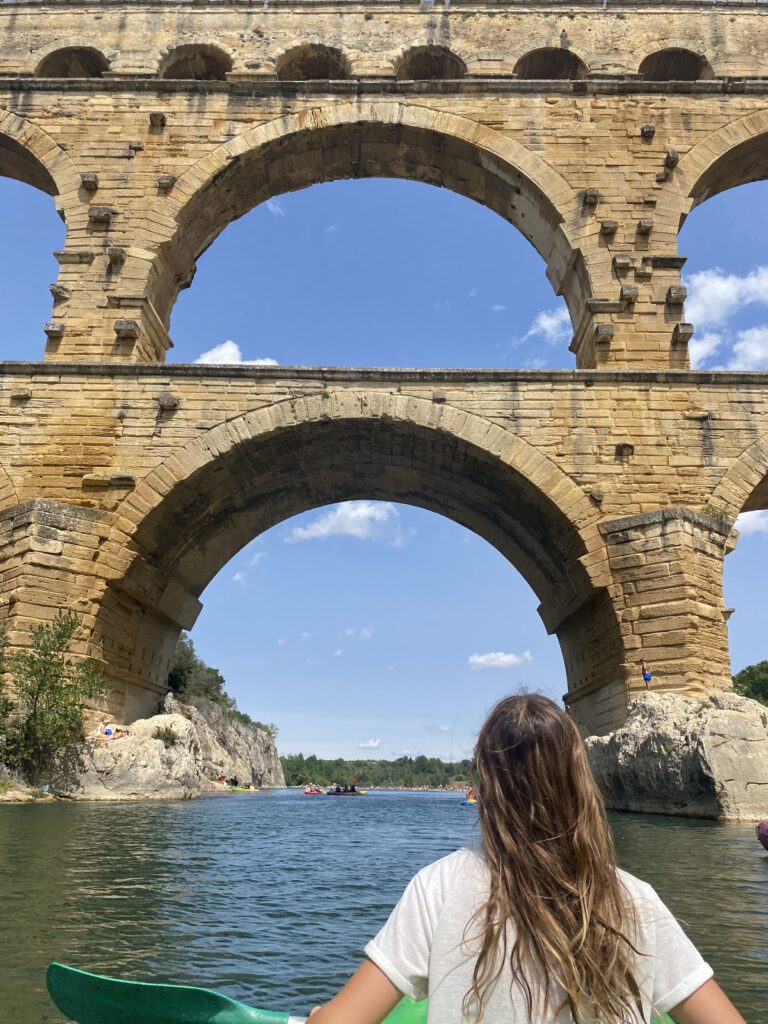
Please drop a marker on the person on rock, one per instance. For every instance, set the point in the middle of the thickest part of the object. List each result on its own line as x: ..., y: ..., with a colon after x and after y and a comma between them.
x: 537, y: 925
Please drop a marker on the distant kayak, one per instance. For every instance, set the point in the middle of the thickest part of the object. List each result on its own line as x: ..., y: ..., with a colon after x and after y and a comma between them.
x: 356, y: 792
x: 313, y: 792
x: 762, y: 834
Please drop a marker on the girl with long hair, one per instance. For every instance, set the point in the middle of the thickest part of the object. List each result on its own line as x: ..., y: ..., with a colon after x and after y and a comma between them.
x: 538, y: 926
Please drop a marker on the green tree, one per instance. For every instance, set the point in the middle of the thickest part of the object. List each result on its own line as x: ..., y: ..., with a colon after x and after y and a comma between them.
x: 189, y: 676
x: 752, y: 682
x: 44, y: 702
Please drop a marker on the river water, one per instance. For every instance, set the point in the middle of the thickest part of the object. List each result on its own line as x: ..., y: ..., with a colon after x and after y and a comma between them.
x: 271, y: 897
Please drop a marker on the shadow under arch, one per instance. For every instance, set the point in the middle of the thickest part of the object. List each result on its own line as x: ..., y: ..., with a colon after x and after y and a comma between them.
x: 29, y: 155
x: 371, y: 140
x: 197, y: 510
x: 736, y: 154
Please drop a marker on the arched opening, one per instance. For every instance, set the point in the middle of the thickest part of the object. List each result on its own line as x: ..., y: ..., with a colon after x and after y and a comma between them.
x: 423, y: 627
x: 550, y: 63
x: 726, y: 273
x: 32, y: 231
x: 311, y: 61
x: 262, y: 480
x: 744, y: 584
x: 368, y: 148
x: 73, y: 62
x: 675, y: 64
x: 422, y: 63
x: 446, y: 298
x: 199, y: 61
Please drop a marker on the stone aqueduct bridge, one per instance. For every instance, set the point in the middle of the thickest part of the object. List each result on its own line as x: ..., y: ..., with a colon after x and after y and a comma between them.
x: 125, y: 484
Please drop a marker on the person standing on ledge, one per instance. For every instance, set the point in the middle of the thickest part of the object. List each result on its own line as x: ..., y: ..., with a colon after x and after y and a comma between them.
x: 538, y: 926
x: 645, y: 668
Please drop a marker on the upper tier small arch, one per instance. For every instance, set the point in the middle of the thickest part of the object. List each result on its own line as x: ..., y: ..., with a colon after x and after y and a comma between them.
x: 73, y: 62
x: 421, y: 63
x: 550, y: 62
x: 202, y: 62
x: 675, y: 64
x: 312, y: 61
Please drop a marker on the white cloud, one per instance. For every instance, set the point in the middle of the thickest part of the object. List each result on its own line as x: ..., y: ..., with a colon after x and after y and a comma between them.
x: 472, y: 293
x: 338, y: 652
x: 714, y: 296
x: 498, y: 659
x: 364, y: 520
x: 703, y: 347
x: 282, y: 641
x: 303, y: 639
x: 497, y: 307
x: 749, y: 523
x: 369, y: 745
x: 350, y: 632
x: 275, y: 208
x: 228, y: 353
x: 331, y: 230
x: 750, y: 350
x: 240, y: 577
x: 259, y: 556
x: 552, y: 325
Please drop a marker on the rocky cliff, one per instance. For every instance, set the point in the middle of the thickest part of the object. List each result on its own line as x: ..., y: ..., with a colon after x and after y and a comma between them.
x: 687, y: 757
x: 172, y: 756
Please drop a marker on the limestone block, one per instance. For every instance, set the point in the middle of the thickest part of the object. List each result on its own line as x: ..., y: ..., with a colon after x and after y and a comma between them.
x: 687, y: 757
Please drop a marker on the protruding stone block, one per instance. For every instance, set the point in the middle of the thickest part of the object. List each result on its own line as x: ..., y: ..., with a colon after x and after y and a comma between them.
x: 591, y: 197
x: 54, y: 328
x: 629, y: 293
x: 89, y: 181
x: 682, y: 334
x: 127, y: 330
x: 157, y: 119
x: 672, y: 159
x: 166, y: 182
x: 647, y: 131
x: 645, y: 226
x: 609, y: 227
x: 100, y: 216
x: 676, y: 295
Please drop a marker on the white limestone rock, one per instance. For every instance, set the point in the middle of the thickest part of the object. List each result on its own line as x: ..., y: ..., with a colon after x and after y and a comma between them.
x: 687, y: 757
x: 136, y: 767
x: 240, y: 751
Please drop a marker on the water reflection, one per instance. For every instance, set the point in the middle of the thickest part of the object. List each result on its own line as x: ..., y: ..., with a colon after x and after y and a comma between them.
x: 271, y: 898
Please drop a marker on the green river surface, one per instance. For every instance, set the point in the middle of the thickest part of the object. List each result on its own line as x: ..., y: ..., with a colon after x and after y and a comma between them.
x: 271, y: 897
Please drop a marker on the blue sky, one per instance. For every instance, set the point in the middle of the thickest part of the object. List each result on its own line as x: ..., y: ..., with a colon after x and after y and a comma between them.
x: 371, y: 628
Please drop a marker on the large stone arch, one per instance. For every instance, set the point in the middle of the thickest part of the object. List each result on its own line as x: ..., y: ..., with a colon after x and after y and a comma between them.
x: 203, y: 504
x: 744, y: 487
x: 734, y: 155
x: 372, y: 139
x: 28, y: 154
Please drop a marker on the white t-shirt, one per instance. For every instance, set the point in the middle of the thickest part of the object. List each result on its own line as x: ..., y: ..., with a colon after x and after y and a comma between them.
x: 422, y: 950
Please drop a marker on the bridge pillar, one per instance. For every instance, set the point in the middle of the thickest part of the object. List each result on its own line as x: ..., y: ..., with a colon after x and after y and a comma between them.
x: 667, y: 593
x: 49, y: 551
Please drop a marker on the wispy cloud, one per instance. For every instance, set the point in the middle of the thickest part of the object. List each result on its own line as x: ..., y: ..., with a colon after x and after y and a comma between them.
x: 497, y: 307
x: 240, y: 578
x: 330, y: 230
x: 281, y: 641
x: 714, y: 296
x: 750, y: 523
x: 275, y: 208
x: 499, y: 659
x: 338, y: 652
x: 303, y: 639
x: 362, y: 634
x: 551, y: 325
x: 363, y: 520
x: 257, y: 557
x: 369, y: 745
x: 228, y: 353
x: 437, y: 728
x: 472, y: 293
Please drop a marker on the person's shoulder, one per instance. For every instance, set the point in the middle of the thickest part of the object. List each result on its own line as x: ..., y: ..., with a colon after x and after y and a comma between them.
x: 643, y: 895
x: 460, y: 863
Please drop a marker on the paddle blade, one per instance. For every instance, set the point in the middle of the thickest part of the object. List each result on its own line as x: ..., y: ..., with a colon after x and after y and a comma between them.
x: 93, y: 999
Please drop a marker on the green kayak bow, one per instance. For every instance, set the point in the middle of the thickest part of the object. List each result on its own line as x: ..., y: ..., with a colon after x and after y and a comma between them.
x: 94, y: 999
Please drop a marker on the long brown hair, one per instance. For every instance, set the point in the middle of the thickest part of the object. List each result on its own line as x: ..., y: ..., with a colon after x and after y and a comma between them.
x: 552, y: 867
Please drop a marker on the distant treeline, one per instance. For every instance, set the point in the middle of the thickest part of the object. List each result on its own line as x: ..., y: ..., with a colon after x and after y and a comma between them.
x: 409, y: 772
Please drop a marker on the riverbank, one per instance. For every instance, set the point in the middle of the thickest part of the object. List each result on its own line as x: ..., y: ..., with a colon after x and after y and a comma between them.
x: 177, y: 755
